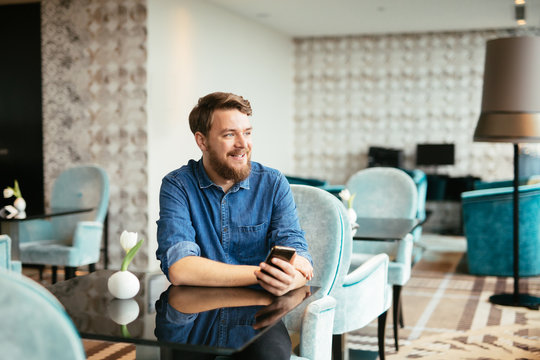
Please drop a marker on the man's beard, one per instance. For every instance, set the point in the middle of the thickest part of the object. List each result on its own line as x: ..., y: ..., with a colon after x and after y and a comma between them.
x: 226, y: 171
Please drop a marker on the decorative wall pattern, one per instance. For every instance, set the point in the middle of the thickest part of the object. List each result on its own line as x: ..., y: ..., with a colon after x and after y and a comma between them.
x: 392, y: 91
x: 395, y: 91
x: 94, y: 103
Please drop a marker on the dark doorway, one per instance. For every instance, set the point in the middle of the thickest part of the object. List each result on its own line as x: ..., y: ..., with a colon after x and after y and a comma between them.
x: 21, y: 134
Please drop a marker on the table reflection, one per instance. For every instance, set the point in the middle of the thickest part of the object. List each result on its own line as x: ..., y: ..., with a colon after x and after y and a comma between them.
x: 231, y: 318
x: 179, y: 321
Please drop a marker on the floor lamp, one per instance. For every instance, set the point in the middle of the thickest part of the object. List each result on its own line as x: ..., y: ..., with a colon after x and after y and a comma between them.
x: 511, y: 113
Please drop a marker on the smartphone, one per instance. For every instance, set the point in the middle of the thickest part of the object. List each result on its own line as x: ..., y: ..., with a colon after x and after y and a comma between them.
x: 282, y: 252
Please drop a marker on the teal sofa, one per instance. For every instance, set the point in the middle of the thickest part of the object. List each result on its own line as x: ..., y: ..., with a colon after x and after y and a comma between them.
x: 488, y: 227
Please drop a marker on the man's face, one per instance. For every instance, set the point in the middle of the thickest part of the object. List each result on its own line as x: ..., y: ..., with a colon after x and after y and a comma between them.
x: 228, y: 145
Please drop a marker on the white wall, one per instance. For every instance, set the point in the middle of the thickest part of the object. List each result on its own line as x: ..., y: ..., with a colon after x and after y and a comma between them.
x: 194, y: 49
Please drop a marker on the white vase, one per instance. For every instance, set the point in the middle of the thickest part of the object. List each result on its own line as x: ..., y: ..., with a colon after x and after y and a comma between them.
x: 20, y: 205
x: 123, y: 311
x: 123, y: 285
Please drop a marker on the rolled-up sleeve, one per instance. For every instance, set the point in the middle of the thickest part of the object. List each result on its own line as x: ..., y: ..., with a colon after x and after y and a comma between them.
x: 285, y: 228
x: 175, y: 234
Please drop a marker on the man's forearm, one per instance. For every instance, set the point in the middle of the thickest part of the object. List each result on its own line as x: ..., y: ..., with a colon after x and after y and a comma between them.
x: 199, y: 271
x: 195, y: 299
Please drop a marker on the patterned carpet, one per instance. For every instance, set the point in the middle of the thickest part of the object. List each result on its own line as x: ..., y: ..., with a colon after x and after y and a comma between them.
x: 446, y: 312
x: 448, y: 316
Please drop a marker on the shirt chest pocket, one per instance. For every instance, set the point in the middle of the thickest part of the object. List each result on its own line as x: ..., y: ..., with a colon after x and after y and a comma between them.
x: 250, y: 244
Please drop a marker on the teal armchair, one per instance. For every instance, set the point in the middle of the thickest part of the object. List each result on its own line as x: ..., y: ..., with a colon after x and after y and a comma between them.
x: 420, y: 180
x: 70, y: 240
x: 5, y: 255
x: 386, y: 192
x: 488, y: 226
x: 34, y: 324
x: 362, y: 295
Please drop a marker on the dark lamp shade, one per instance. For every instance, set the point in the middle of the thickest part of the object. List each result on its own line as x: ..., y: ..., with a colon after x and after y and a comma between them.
x: 511, y: 92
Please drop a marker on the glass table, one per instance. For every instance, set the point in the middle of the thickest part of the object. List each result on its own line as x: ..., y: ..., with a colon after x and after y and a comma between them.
x: 166, y: 321
x: 384, y: 229
x: 11, y: 227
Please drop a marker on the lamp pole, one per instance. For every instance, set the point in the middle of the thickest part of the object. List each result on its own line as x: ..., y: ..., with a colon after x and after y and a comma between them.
x: 516, y: 299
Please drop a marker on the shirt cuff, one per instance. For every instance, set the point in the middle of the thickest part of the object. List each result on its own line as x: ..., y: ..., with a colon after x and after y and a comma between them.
x: 306, y: 255
x: 181, y: 250
x: 176, y: 317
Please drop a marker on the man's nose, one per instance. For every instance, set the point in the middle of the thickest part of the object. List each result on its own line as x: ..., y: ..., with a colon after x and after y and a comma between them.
x: 241, y: 141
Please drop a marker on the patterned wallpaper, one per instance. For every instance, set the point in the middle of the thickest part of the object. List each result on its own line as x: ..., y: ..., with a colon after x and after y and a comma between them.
x: 94, y: 103
x: 392, y: 91
x: 395, y: 91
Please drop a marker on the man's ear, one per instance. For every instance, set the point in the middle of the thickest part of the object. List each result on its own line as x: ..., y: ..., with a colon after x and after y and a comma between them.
x: 200, y: 139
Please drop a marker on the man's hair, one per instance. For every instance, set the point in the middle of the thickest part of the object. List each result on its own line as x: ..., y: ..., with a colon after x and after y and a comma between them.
x: 200, y: 118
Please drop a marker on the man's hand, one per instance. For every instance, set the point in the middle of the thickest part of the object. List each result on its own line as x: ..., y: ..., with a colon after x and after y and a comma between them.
x: 303, y: 265
x: 280, y: 306
x: 279, y: 279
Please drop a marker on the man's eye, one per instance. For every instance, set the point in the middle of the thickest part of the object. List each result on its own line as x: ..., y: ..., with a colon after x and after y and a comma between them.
x: 247, y: 133
x: 229, y: 135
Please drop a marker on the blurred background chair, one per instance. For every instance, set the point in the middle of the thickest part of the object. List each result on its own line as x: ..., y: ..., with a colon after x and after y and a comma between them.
x: 420, y: 180
x: 322, y: 184
x: 362, y: 295
x: 69, y: 240
x: 5, y: 255
x: 34, y: 324
x: 487, y: 215
x: 386, y: 192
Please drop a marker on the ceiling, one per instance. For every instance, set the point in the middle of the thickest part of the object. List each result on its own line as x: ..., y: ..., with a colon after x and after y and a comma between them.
x: 306, y: 18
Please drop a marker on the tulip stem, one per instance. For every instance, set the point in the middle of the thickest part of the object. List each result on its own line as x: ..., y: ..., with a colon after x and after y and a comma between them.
x: 350, y: 202
x: 129, y: 256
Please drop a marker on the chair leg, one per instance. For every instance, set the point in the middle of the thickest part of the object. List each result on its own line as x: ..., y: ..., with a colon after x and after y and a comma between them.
x: 401, y: 323
x: 69, y: 272
x: 41, y: 268
x: 337, y: 350
x: 396, y: 313
x: 54, y: 269
x: 381, y: 329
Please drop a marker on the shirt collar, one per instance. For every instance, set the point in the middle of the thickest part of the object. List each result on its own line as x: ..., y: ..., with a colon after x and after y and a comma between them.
x: 205, y: 181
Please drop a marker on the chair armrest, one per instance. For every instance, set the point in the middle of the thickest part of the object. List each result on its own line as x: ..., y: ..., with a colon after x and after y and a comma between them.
x: 404, y: 252
x: 376, y: 263
x: 87, y: 240
x: 16, y: 266
x: 364, y: 295
x: 317, y: 325
x: 499, y: 193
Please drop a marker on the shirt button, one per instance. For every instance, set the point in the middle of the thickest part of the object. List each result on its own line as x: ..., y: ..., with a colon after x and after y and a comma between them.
x: 224, y: 229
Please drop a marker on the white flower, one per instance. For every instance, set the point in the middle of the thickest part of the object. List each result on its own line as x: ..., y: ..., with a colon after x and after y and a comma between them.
x: 11, y: 211
x: 347, y: 197
x: 8, y: 192
x: 128, y: 240
x: 345, y: 194
x: 351, y: 214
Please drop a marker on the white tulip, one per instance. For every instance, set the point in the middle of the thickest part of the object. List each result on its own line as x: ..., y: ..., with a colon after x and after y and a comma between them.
x: 8, y: 192
x: 128, y: 240
x: 345, y: 194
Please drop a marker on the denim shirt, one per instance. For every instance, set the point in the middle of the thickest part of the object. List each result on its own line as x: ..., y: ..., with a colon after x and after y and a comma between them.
x: 225, y: 328
x: 197, y: 218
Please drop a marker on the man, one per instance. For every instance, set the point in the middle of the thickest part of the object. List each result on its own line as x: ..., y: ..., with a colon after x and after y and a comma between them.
x: 220, y: 216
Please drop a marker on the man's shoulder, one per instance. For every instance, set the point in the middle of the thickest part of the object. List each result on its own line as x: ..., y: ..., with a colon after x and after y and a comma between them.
x: 184, y: 172
x: 259, y: 169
